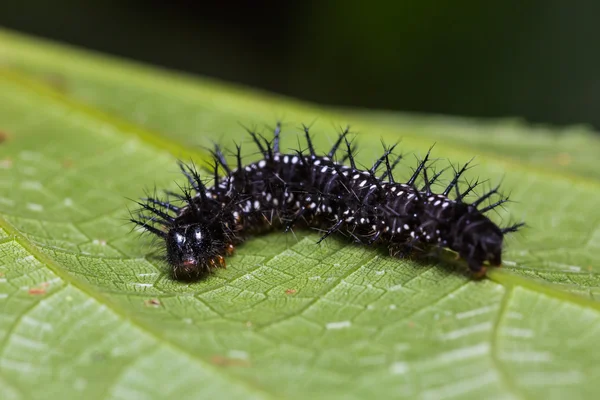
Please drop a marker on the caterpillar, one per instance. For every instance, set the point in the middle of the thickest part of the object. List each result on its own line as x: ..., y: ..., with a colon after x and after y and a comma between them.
x: 303, y: 188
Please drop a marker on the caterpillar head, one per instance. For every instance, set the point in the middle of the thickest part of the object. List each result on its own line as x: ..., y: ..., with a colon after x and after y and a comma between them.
x: 193, y: 251
x: 477, y: 240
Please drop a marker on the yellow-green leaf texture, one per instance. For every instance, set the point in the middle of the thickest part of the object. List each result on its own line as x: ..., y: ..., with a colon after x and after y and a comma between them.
x: 88, y: 312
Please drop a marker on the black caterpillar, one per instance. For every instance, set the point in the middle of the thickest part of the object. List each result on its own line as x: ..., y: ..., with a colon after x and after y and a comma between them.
x: 303, y: 188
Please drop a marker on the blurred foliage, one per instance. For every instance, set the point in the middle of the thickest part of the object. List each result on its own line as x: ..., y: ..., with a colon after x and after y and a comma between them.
x: 535, y: 59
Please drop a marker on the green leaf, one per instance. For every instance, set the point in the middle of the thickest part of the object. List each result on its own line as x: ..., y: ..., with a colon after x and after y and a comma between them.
x: 89, y: 312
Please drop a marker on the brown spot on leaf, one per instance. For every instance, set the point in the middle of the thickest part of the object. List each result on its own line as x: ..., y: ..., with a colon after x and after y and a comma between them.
x: 56, y: 81
x: 152, y: 303
x: 6, y: 163
x: 223, y: 361
x: 67, y: 163
x: 3, y: 136
x: 563, y: 159
x: 35, y: 291
x: 291, y: 291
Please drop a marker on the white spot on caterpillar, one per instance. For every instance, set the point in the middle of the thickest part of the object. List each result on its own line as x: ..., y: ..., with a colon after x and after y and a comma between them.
x: 295, y: 160
x: 286, y: 159
x: 262, y: 163
x: 356, y: 176
x: 437, y: 203
x: 406, y: 226
x: 444, y: 205
x: 363, y: 183
x: 256, y: 205
x: 323, y: 169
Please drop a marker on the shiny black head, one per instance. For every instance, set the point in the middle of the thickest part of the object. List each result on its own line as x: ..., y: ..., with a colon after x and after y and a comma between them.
x: 477, y: 239
x: 192, y: 251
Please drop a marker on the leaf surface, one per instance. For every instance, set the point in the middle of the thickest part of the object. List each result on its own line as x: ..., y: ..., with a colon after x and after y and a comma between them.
x: 88, y: 311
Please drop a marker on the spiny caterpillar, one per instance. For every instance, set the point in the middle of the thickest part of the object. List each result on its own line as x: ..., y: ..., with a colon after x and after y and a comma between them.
x: 303, y: 188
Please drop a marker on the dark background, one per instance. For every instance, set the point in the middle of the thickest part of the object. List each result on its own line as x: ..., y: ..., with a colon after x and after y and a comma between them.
x: 534, y: 59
